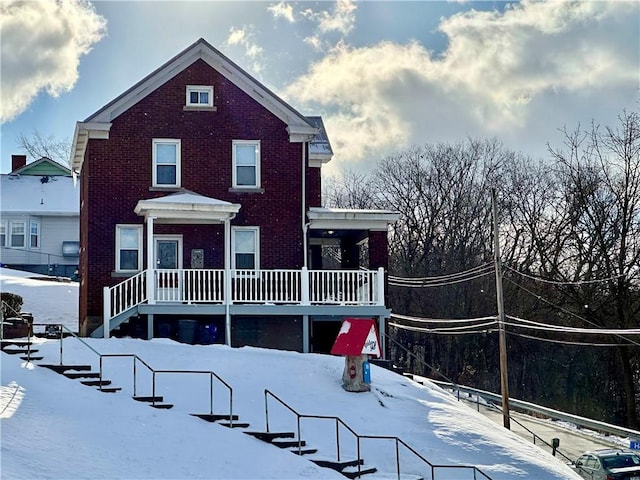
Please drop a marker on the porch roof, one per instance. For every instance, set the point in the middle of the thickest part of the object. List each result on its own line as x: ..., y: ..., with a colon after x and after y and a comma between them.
x: 187, y: 207
x: 321, y: 218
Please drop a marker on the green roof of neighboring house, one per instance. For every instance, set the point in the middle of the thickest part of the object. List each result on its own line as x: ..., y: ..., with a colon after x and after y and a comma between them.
x: 43, y: 166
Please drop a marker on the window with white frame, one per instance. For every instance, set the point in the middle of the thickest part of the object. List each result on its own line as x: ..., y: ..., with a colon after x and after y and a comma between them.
x: 128, y: 248
x: 199, y: 96
x: 18, y: 234
x: 34, y: 234
x: 246, y: 163
x: 3, y: 234
x: 166, y: 162
x: 245, y: 248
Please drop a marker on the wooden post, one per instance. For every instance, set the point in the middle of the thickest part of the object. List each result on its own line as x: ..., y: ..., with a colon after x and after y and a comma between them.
x: 504, y: 379
x: 353, y: 377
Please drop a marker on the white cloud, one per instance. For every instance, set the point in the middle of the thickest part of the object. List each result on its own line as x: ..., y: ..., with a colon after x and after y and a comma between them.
x: 42, y: 42
x: 341, y: 19
x: 496, y: 68
x: 244, y: 37
x: 282, y: 10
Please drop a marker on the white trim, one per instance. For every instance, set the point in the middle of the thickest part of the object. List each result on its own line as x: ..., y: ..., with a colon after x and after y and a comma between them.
x: 36, y: 223
x: 178, y: 164
x: 257, y: 159
x: 179, y: 253
x: 350, y: 219
x: 199, y: 89
x: 3, y: 231
x: 256, y: 240
x: 13, y: 223
x: 120, y: 227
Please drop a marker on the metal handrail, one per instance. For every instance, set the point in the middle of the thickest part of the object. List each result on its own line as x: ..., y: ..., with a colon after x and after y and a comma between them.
x: 62, y: 329
x: 212, y: 375
x: 339, y: 421
x: 131, y: 355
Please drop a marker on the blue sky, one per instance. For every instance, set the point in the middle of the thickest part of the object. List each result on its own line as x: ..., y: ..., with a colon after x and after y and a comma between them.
x: 384, y: 75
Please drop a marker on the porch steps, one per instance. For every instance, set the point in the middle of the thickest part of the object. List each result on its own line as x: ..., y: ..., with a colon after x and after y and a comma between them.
x: 149, y: 399
x: 348, y: 468
x: 63, y: 368
x: 81, y: 374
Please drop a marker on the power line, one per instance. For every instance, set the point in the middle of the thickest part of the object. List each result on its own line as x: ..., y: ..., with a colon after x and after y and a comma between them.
x: 396, y: 283
x: 556, y: 282
x: 558, y: 328
x: 445, y: 331
x: 441, y: 320
x: 565, y: 342
x: 486, y: 266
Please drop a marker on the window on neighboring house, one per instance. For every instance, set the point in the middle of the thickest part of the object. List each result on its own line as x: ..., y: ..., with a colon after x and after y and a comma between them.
x: 34, y: 234
x: 18, y: 234
x: 199, y: 96
x: 128, y: 248
x: 166, y: 162
x: 246, y: 163
x: 3, y: 234
x: 245, y: 248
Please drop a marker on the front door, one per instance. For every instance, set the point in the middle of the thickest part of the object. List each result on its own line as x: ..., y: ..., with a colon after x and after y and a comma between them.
x: 168, y: 255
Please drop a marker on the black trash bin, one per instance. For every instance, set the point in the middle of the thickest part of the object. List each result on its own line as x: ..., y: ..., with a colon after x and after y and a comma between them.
x: 187, y: 331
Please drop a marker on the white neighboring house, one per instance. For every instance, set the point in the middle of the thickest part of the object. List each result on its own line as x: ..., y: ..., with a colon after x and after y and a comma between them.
x: 40, y: 218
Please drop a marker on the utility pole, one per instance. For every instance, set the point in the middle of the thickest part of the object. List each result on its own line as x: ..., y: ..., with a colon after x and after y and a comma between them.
x: 504, y: 379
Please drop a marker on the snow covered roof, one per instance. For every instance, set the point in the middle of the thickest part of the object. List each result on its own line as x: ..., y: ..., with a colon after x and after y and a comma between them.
x: 39, y: 195
x: 320, y: 151
x: 322, y: 218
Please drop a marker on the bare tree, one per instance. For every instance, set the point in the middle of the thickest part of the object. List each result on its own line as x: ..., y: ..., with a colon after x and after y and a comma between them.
x: 38, y: 145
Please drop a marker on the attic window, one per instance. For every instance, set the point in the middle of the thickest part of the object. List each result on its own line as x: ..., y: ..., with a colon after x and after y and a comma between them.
x: 199, y: 96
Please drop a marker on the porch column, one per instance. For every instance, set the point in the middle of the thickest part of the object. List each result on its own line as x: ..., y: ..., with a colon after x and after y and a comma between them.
x: 305, y: 334
x: 227, y: 281
x: 151, y: 294
x: 383, y: 336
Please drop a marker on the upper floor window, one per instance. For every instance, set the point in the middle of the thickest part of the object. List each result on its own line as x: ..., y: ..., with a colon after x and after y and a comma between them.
x: 34, y: 234
x: 18, y: 234
x: 166, y: 162
x: 128, y: 248
x: 246, y: 163
x: 3, y: 234
x: 199, y: 96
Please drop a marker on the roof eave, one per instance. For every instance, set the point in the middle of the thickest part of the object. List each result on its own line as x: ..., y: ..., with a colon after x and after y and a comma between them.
x: 83, y: 132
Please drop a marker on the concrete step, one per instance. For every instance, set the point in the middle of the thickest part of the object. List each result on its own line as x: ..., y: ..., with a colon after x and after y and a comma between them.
x: 288, y: 443
x: 162, y: 406
x: 337, y: 465
x: 271, y: 436
x: 214, y: 417
x: 96, y: 383
x: 352, y: 472
x: 149, y: 399
x: 304, y: 451
x: 31, y: 358
x: 64, y: 368
x: 81, y: 374
x: 16, y: 351
x: 109, y: 389
x: 234, y: 425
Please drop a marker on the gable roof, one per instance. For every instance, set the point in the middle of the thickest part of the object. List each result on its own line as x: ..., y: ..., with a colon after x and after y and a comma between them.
x: 43, y: 166
x: 98, y: 124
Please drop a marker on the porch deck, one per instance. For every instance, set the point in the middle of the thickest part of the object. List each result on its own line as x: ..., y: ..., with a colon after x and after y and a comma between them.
x: 247, y: 292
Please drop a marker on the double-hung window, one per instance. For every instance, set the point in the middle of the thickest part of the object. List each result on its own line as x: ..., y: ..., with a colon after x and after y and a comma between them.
x: 246, y: 163
x: 18, y: 234
x: 166, y: 162
x: 128, y: 248
x: 199, y: 96
x: 34, y: 234
x: 3, y: 234
x: 245, y: 248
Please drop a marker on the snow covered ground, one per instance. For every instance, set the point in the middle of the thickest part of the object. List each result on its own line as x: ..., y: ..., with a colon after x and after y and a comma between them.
x: 54, y: 427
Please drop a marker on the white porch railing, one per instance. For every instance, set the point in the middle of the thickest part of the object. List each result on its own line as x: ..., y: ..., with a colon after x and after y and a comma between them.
x: 298, y: 287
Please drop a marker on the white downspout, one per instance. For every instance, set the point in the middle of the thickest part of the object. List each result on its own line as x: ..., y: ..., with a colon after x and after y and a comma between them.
x: 227, y: 280
x: 151, y: 291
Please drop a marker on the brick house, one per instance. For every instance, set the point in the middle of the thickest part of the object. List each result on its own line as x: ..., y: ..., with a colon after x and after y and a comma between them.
x: 201, y: 216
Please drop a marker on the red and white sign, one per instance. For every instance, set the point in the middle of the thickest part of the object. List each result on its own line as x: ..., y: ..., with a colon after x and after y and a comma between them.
x: 357, y: 336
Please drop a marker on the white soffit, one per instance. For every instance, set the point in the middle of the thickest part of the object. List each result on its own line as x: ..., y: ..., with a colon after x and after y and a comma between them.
x: 350, y: 219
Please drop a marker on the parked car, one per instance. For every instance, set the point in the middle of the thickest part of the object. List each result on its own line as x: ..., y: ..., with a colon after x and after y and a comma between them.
x: 608, y: 464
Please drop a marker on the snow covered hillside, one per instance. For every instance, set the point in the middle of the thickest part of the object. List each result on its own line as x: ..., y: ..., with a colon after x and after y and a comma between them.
x: 55, y: 427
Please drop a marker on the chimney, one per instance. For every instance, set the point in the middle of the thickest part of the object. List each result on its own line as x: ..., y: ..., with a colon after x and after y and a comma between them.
x: 18, y: 161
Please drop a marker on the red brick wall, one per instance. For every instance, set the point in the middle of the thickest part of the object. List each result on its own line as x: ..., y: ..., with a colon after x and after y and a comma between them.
x: 118, y: 172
